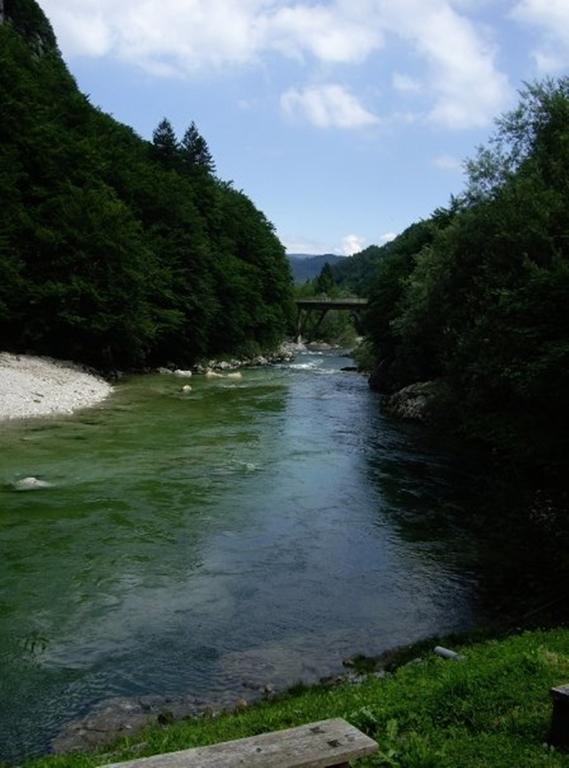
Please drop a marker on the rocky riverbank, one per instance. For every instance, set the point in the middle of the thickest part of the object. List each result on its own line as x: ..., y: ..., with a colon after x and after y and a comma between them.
x: 123, y: 716
x: 284, y: 354
x: 41, y: 386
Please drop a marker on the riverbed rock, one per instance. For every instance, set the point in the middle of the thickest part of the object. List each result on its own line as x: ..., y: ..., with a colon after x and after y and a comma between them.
x: 123, y: 716
x: 240, y: 705
x: 182, y: 373
x: 415, y: 402
x: 284, y: 353
x: 31, y: 484
x: 320, y: 346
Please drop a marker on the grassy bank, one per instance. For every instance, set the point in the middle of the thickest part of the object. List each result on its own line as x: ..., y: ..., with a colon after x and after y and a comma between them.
x: 490, y: 710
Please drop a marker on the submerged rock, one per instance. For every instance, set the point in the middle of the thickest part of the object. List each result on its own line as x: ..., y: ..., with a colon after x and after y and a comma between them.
x: 31, y: 484
x: 121, y: 717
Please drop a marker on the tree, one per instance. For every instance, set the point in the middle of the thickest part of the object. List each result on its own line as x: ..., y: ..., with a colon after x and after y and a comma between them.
x: 111, y: 251
x: 166, y: 147
x: 325, y: 283
x: 195, y: 151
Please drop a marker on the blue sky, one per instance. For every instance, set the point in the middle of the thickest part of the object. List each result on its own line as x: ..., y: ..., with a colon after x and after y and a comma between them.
x: 343, y: 120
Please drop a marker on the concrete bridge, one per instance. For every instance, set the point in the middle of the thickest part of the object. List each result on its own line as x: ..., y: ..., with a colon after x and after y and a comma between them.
x: 323, y: 306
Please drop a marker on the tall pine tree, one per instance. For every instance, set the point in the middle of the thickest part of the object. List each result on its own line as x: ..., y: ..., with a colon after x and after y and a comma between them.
x: 195, y: 151
x: 165, y: 143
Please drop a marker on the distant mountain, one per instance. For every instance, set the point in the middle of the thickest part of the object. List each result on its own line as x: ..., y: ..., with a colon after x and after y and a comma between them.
x: 306, y: 267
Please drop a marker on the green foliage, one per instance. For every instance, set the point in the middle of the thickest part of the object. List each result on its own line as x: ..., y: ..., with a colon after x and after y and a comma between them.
x: 337, y: 327
x: 324, y: 284
x: 165, y: 144
x: 490, y: 711
x: 29, y: 20
x: 357, y: 272
x: 195, y: 151
x: 480, y: 293
x: 115, y: 251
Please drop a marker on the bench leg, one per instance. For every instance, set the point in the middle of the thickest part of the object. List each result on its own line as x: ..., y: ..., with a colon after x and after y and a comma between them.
x: 559, y: 732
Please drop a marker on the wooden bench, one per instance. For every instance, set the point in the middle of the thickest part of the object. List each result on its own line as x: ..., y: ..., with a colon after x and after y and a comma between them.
x: 559, y: 732
x: 316, y: 745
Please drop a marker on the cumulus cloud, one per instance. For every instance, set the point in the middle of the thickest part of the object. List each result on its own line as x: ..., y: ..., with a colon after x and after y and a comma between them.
x: 327, y: 106
x: 198, y: 34
x: 467, y: 86
x: 181, y: 37
x: 387, y: 237
x: 551, y: 18
x: 352, y: 244
x: 303, y: 245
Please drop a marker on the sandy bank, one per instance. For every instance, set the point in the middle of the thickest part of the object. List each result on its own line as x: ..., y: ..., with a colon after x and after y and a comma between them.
x: 41, y: 386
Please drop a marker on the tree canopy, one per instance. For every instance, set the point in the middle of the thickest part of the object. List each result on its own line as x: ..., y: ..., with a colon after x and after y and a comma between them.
x: 113, y: 250
x: 479, y: 294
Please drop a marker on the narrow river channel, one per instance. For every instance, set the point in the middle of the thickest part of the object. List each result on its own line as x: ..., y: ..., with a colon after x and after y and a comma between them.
x: 249, y: 532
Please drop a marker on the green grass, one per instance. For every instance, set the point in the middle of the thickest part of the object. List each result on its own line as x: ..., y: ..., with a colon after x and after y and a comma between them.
x: 490, y: 711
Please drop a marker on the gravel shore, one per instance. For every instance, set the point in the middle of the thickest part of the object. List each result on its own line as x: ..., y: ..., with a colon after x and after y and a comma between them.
x: 41, y: 386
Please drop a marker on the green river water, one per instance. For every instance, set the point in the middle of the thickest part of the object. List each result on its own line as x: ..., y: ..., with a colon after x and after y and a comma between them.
x: 250, y: 531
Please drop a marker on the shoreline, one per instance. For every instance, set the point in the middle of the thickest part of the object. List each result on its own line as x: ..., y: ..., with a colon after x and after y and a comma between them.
x: 152, y: 724
x: 33, y: 386
x: 128, y: 716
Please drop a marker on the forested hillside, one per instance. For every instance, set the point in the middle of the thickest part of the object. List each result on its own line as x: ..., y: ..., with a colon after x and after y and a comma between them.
x: 478, y: 295
x: 114, y: 250
x: 356, y: 272
x: 306, y: 267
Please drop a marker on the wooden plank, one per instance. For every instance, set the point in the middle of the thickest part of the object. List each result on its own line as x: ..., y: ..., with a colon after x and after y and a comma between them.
x: 559, y: 732
x: 316, y: 745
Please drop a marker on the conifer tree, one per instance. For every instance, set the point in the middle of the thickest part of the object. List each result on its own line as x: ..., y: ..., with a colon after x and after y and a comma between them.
x: 195, y: 151
x: 165, y: 143
x: 325, y: 283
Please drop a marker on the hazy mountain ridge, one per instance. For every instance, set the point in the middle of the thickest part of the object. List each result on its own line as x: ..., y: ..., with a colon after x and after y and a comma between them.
x: 305, y: 266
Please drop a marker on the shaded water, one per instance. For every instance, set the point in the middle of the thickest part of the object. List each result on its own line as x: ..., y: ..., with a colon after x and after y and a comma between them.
x: 257, y: 530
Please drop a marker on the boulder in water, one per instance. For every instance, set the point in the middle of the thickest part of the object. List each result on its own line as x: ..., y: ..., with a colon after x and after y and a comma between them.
x: 186, y: 388
x: 31, y: 484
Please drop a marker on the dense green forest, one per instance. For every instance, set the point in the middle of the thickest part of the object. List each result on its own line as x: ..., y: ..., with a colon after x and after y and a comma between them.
x: 478, y: 295
x: 114, y: 250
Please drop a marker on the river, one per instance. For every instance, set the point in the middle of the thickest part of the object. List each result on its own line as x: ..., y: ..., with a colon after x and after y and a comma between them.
x: 252, y: 531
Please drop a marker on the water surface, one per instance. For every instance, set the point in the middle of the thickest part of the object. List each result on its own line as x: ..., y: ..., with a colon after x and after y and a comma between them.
x: 250, y: 531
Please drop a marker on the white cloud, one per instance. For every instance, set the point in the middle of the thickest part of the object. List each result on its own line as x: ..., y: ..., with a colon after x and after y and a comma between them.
x: 327, y: 106
x: 468, y: 88
x: 405, y: 83
x: 387, y: 237
x: 551, y: 18
x: 299, y: 244
x: 352, y: 244
x: 184, y: 37
x: 447, y: 163
x: 330, y: 33
x: 200, y: 34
